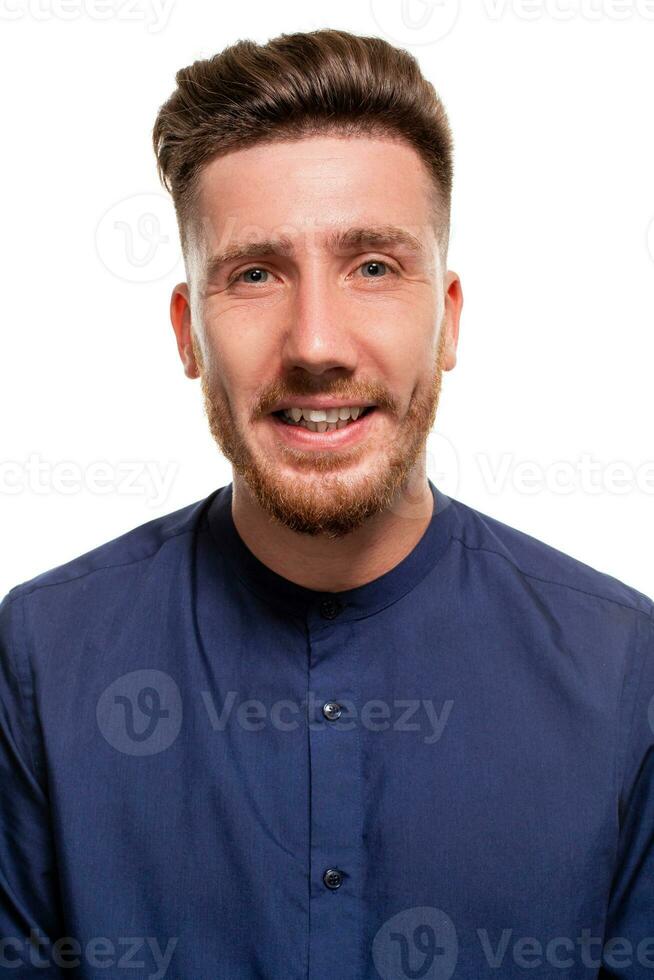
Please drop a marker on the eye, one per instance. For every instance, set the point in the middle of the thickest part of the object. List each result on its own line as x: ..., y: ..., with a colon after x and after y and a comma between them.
x: 258, y: 273
x: 375, y: 266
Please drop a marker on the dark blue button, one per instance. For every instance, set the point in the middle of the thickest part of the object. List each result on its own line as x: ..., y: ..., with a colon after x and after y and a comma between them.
x: 333, y: 878
x: 330, y: 608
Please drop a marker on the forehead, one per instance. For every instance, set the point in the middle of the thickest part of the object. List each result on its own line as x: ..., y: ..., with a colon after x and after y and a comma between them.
x: 292, y: 187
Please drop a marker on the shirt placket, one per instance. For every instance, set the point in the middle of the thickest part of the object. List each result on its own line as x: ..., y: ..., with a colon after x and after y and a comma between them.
x: 336, y: 812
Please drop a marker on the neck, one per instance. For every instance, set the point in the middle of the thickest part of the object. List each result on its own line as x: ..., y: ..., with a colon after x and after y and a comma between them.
x: 335, y: 564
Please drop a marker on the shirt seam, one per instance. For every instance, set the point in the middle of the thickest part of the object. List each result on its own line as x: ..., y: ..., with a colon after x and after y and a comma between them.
x: 621, y: 769
x: 548, y: 581
x: 22, y: 591
x: 19, y: 663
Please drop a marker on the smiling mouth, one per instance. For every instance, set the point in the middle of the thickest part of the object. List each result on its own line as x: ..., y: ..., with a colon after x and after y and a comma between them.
x: 323, y: 420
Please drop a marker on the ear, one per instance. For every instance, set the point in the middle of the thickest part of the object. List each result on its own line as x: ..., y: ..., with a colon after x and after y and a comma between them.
x: 451, y: 317
x: 180, y: 317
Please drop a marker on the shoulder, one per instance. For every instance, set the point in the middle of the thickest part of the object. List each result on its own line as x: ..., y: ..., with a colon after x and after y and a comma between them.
x: 114, y: 566
x: 54, y: 626
x: 540, y: 565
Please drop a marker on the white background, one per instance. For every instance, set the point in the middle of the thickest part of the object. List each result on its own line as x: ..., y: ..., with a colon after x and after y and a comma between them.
x: 551, y: 107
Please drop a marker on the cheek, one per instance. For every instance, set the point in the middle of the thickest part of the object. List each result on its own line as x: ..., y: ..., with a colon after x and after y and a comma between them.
x: 238, y: 331
x: 403, y: 358
x: 241, y: 359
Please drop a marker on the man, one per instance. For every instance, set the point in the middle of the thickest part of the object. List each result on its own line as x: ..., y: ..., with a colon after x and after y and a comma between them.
x: 327, y: 722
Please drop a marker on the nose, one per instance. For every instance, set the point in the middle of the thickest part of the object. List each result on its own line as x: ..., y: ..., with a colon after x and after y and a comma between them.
x: 320, y: 334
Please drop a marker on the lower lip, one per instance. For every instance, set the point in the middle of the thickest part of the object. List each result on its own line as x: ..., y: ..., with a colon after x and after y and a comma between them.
x: 300, y: 437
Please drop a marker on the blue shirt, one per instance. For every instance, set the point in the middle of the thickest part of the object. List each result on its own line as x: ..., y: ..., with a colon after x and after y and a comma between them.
x: 209, y: 771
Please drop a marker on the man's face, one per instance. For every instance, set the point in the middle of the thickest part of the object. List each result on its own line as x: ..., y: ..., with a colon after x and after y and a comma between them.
x: 319, y: 325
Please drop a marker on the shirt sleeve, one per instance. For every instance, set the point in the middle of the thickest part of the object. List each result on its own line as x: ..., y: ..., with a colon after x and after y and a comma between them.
x: 29, y: 904
x: 628, y: 949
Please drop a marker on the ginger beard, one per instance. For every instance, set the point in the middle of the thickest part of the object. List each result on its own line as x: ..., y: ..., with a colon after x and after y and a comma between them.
x: 330, y: 501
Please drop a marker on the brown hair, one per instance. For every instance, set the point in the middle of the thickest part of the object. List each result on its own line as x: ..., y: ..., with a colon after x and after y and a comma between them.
x: 302, y: 84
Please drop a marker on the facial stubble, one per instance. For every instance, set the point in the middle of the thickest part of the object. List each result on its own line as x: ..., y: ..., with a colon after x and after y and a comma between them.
x: 332, y: 503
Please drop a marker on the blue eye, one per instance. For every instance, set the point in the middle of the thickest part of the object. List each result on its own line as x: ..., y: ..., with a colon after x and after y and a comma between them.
x: 375, y: 264
x: 254, y: 269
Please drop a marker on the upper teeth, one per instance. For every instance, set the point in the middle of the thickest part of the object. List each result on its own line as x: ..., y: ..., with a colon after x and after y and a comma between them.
x: 322, y: 414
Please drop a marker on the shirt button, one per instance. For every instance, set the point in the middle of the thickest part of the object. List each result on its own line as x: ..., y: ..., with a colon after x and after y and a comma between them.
x: 330, y: 608
x: 333, y: 878
x: 331, y: 711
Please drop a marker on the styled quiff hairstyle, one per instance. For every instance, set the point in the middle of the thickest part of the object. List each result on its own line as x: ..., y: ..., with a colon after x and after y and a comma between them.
x: 302, y: 84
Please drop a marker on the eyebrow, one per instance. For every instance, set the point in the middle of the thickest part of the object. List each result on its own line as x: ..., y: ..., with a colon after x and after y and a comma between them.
x: 370, y: 237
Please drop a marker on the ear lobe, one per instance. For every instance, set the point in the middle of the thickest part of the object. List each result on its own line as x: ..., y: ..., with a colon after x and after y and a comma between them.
x: 449, y: 356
